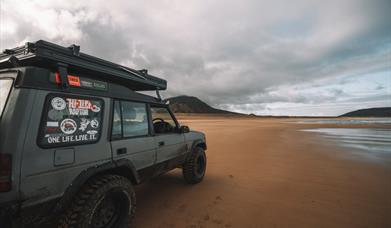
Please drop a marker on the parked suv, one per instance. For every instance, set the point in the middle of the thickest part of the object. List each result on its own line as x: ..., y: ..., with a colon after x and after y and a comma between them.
x: 76, y: 136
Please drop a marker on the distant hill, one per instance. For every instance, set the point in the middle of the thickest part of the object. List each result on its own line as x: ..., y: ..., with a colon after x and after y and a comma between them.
x: 189, y: 104
x: 370, y: 112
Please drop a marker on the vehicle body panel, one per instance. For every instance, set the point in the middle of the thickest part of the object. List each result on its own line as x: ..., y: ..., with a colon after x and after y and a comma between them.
x: 38, y: 164
x: 140, y: 150
x: 41, y: 175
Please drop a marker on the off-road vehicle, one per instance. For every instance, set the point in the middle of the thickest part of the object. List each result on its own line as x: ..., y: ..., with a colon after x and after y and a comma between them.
x: 76, y: 135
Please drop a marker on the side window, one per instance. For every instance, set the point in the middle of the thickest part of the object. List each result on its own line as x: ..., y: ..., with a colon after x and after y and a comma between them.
x: 5, y: 87
x: 70, y: 120
x: 163, y: 123
x: 134, y: 119
x: 130, y: 119
x: 117, y: 124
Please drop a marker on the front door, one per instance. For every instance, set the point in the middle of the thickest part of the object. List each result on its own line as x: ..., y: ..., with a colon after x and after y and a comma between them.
x: 169, y: 142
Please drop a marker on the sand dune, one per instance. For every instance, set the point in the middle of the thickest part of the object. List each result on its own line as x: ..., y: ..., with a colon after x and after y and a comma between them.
x: 268, y: 173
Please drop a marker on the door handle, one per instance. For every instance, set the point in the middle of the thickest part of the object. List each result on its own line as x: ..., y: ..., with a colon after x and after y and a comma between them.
x: 161, y: 143
x: 122, y: 151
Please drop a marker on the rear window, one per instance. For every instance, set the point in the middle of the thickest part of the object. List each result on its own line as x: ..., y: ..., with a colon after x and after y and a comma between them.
x: 70, y: 120
x: 5, y: 88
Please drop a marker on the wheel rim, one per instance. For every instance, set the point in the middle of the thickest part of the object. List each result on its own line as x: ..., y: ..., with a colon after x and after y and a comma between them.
x: 111, y: 210
x: 200, y: 168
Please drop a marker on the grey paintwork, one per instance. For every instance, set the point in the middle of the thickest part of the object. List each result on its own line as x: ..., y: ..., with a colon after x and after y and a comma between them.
x: 38, y: 164
x: 39, y: 175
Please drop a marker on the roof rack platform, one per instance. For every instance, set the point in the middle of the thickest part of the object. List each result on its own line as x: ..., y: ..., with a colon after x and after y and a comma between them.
x: 53, y: 56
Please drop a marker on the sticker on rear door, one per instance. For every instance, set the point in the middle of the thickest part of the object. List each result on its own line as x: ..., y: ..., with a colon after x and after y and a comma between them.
x: 70, y: 120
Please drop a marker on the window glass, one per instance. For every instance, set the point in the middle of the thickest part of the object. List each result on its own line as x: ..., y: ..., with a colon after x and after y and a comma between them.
x: 162, y: 120
x: 117, y: 125
x: 134, y: 119
x: 69, y: 120
x: 5, y: 87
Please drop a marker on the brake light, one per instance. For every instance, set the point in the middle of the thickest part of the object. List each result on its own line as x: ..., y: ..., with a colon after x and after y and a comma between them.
x: 5, y: 172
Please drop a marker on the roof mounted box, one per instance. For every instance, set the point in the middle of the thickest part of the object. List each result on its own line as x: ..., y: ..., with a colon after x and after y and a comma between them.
x: 53, y: 56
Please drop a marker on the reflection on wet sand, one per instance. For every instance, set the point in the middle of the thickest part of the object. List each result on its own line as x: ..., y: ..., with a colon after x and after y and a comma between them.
x: 383, y: 121
x: 370, y: 143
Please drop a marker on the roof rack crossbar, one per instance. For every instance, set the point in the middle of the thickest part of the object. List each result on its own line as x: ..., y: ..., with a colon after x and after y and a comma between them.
x: 75, y: 49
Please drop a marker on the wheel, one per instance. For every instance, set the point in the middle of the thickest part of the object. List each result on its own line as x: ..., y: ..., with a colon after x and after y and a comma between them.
x: 194, y: 169
x: 105, y: 201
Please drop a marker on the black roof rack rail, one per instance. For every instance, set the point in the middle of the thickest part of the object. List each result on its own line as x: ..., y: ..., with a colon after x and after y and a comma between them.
x: 50, y: 55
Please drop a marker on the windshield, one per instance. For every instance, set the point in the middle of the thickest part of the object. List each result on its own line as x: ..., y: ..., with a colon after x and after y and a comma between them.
x: 5, y: 87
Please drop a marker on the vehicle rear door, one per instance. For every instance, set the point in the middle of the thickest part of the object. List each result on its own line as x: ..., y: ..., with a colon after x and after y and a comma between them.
x: 130, y: 135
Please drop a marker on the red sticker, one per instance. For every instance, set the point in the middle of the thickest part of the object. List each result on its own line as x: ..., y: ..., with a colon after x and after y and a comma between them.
x: 72, y: 80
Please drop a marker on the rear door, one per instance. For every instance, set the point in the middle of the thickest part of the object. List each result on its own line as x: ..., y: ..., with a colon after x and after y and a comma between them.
x: 130, y: 135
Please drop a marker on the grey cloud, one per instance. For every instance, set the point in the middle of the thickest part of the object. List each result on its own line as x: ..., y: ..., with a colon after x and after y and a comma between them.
x: 379, y: 87
x: 225, y: 52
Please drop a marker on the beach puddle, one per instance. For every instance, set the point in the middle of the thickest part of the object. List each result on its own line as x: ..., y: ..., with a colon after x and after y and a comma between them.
x: 370, y: 143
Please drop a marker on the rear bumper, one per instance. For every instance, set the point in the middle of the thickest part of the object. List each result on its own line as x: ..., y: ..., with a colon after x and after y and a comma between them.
x: 15, y: 215
x: 8, y: 214
x: 8, y: 209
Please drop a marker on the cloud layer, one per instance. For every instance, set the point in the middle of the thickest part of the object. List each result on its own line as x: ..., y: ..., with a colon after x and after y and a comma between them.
x: 266, y: 57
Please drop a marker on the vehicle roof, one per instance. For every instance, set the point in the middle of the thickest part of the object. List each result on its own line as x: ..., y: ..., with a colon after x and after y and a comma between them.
x: 39, y: 78
x: 52, y: 56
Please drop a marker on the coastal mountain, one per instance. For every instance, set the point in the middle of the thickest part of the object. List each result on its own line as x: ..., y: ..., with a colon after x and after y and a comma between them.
x: 370, y: 112
x: 189, y: 104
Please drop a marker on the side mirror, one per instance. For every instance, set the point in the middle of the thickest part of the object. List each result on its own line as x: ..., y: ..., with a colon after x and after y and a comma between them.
x: 184, y: 129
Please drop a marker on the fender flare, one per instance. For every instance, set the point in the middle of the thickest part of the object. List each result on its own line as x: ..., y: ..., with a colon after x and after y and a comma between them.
x: 122, y: 167
x: 199, y: 142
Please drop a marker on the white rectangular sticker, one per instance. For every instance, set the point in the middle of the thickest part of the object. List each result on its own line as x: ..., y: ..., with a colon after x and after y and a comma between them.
x: 52, y: 124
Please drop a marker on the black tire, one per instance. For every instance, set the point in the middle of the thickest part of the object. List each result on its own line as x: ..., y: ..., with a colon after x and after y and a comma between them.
x: 195, y: 167
x: 104, y: 201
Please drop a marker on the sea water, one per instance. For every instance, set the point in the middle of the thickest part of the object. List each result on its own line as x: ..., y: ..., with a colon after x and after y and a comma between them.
x: 371, y: 143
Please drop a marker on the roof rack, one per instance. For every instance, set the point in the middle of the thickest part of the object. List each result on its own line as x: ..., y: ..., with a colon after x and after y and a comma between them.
x: 70, y: 59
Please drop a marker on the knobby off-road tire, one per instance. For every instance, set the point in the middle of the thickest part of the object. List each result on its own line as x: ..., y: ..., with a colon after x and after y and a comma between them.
x: 195, y: 167
x: 105, y: 201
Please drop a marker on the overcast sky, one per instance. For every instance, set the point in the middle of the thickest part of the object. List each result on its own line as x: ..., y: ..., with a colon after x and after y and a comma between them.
x: 253, y: 56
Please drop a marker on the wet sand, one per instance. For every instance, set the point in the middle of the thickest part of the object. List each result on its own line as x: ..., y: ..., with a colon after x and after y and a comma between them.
x: 269, y: 173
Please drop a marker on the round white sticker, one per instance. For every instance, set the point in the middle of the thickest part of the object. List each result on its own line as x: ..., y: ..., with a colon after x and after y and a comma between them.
x: 68, y: 126
x: 58, y: 103
x: 95, y: 108
x: 94, y: 123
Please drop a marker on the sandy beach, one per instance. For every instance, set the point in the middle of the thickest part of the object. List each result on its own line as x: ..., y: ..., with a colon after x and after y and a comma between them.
x: 270, y: 173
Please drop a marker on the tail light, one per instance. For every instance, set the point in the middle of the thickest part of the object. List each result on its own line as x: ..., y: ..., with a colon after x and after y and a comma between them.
x: 5, y: 172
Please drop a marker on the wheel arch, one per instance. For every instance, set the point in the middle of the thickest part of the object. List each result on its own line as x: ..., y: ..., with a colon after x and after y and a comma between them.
x: 199, y: 143
x: 122, y: 167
